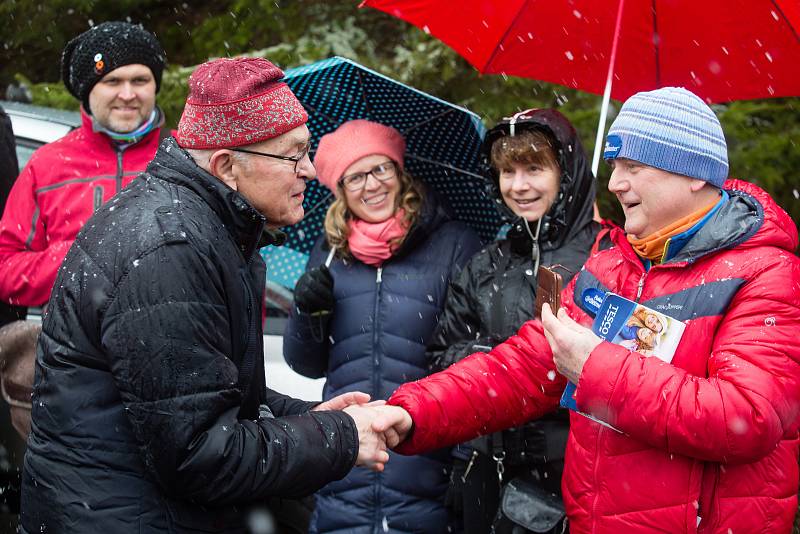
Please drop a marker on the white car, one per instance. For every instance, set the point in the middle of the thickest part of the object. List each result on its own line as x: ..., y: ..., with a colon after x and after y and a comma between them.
x: 35, y: 125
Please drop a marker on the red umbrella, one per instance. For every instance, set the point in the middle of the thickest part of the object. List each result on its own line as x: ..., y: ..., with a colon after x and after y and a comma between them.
x: 722, y: 50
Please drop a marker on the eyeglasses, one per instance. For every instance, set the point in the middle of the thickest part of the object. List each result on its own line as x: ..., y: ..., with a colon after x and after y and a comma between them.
x: 294, y: 159
x: 382, y: 172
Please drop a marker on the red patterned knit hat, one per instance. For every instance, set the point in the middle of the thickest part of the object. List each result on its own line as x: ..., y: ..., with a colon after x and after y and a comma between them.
x: 236, y: 102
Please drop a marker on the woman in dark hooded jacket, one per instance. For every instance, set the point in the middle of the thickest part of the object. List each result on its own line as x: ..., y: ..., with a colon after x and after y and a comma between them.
x: 541, y: 180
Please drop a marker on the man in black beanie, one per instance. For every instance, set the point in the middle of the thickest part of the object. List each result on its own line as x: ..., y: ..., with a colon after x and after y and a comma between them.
x: 114, y: 69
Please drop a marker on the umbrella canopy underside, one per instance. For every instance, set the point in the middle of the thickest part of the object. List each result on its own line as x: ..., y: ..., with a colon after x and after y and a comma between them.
x: 722, y: 50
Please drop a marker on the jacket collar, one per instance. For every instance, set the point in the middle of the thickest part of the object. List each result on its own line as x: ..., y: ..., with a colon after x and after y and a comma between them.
x: 243, y: 221
x: 749, y: 218
x: 102, y: 140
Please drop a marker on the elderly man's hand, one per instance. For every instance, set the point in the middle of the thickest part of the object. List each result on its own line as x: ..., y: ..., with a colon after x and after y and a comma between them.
x: 371, y: 444
x: 570, y: 342
x: 395, y: 424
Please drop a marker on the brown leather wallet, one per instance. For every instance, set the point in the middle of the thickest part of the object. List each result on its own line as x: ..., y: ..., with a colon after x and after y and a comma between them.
x: 549, y: 290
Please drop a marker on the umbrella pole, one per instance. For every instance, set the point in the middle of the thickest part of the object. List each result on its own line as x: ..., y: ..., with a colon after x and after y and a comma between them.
x: 598, y: 143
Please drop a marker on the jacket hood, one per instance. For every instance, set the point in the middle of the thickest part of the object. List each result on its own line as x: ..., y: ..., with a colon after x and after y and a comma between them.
x: 573, y: 208
x: 775, y: 227
x: 750, y: 218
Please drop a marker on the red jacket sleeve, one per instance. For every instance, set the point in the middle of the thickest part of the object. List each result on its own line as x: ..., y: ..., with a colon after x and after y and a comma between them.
x: 747, y: 404
x: 483, y: 393
x: 29, y: 262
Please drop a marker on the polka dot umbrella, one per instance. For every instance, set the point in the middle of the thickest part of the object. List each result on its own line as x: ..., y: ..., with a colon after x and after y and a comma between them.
x: 443, y: 146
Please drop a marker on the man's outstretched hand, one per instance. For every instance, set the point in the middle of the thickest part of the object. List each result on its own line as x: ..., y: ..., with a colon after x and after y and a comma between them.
x: 394, y: 423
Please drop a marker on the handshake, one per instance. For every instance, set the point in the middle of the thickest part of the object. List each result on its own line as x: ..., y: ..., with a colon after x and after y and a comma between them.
x: 380, y: 426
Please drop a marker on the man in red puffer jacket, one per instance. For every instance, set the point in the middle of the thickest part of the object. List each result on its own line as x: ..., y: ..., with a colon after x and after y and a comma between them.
x: 709, y: 442
x: 114, y: 69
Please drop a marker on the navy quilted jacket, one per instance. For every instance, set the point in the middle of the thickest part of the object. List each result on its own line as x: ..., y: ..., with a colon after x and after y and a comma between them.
x: 373, y: 342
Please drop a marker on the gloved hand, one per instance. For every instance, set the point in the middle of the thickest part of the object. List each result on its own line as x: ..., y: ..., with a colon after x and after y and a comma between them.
x: 313, y: 292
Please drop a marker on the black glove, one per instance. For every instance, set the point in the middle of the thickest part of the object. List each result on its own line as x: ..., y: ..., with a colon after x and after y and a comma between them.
x: 313, y: 292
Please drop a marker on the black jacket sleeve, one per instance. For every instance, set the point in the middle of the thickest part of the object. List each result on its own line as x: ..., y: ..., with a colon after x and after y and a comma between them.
x: 8, y: 174
x: 168, y: 341
x: 9, y: 168
x: 281, y: 405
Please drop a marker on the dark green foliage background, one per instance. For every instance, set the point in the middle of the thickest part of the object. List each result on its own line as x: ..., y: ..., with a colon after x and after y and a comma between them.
x: 763, y: 135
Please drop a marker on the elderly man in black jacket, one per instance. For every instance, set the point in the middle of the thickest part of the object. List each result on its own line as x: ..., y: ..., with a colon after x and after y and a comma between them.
x: 150, y: 410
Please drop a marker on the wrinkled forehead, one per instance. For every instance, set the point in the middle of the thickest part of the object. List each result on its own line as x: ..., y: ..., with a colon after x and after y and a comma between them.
x: 295, y: 138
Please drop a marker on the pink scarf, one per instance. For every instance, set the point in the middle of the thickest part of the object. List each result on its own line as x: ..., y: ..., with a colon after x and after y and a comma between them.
x: 372, y: 242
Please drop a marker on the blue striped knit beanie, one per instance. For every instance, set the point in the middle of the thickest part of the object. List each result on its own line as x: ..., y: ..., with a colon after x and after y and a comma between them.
x: 673, y: 130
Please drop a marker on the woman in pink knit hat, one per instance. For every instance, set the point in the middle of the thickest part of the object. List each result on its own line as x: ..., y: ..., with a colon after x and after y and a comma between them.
x: 365, y: 309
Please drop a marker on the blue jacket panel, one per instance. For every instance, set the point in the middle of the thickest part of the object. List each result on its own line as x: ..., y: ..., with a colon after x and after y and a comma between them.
x: 374, y: 341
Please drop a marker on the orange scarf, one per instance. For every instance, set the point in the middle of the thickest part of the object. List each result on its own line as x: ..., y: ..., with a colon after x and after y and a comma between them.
x: 654, y: 246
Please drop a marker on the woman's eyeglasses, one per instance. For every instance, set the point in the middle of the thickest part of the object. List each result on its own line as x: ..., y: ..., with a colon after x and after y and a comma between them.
x: 294, y: 159
x: 382, y: 172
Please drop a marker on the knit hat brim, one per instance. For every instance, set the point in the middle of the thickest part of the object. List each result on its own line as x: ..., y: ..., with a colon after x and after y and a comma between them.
x: 352, y: 141
x: 236, y: 102
x: 91, y: 55
x: 673, y: 130
x: 241, y: 123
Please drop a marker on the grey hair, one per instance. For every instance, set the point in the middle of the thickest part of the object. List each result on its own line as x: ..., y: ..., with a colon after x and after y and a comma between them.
x: 203, y: 157
x: 200, y: 156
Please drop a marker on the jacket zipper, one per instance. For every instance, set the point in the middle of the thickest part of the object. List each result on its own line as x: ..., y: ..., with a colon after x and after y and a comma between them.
x: 98, y: 197
x: 639, y: 291
x: 119, y: 170
x: 594, y: 474
x: 640, y: 287
x: 248, y: 358
x: 377, y: 524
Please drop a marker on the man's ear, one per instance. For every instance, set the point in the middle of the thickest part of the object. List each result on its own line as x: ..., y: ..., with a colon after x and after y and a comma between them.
x: 222, y: 165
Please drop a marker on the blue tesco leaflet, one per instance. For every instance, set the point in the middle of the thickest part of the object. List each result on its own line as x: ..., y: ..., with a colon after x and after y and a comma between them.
x: 636, y: 327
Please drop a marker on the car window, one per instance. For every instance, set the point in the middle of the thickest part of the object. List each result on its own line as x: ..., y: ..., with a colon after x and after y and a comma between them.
x: 284, y: 266
x: 278, y: 300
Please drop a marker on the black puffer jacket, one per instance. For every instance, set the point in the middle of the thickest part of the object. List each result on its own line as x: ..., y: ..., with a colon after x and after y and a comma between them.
x: 149, y: 409
x: 496, y: 291
x: 494, y: 295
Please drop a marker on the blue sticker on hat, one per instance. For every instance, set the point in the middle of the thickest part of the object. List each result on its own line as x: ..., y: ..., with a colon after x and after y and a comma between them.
x: 613, y: 146
x: 592, y: 299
